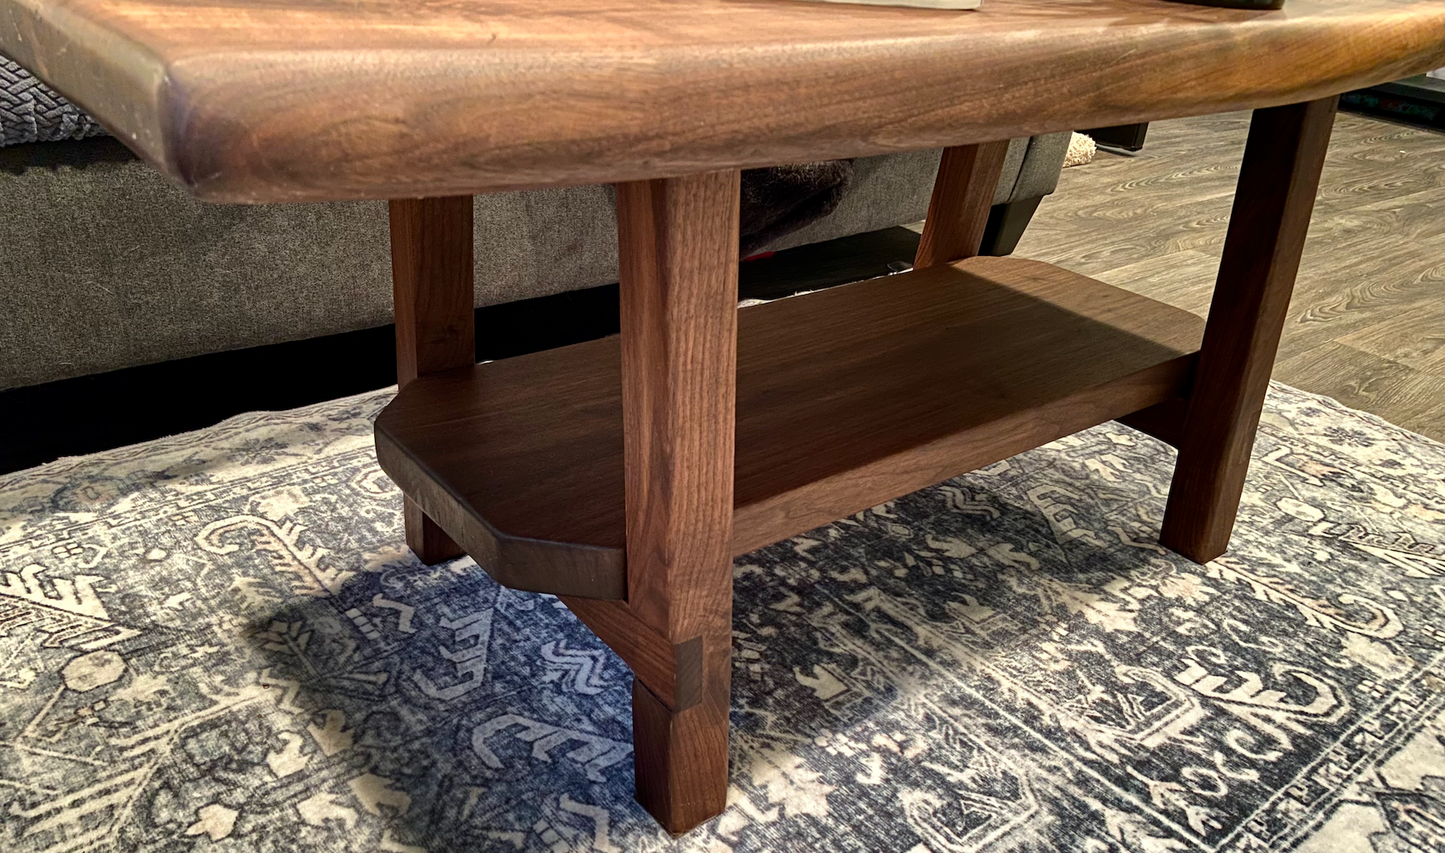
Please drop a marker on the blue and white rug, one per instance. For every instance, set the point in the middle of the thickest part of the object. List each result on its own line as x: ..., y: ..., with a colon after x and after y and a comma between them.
x: 217, y: 642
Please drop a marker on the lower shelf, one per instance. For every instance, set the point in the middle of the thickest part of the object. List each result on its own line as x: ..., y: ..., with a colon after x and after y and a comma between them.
x: 846, y: 398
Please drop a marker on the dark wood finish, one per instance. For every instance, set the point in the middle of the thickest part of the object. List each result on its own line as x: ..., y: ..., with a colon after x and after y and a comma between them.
x: 677, y: 269
x: 425, y: 537
x: 920, y: 377
x: 1278, y: 182
x: 680, y: 758
x: 255, y: 100
x: 962, y: 199
x: 432, y: 289
x: 846, y: 398
x: 258, y: 101
x: 1164, y: 421
x: 678, y: 273
x: 431, y: 275
x: 457, y: 492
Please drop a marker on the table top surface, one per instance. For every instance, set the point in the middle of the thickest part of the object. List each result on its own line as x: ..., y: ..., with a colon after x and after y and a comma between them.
x: 308, y: 100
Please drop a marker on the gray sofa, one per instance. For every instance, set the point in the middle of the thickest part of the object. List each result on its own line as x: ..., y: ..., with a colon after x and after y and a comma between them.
x: 104, y: 264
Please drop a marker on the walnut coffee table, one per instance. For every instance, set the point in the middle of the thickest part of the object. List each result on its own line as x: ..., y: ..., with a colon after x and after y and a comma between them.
x: 624, y: 474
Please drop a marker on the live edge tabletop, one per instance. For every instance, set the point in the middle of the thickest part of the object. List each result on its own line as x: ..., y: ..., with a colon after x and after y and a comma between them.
x: 625, y: 474
x: 309, y: 100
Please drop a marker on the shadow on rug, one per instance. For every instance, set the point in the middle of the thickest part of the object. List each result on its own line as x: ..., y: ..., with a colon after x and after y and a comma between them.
x: 218, y: 642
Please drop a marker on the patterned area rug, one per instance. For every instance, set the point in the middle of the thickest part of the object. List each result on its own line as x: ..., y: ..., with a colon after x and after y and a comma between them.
x: 216, y: 642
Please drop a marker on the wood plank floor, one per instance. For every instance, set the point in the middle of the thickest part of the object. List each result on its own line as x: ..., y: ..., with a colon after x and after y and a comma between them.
x: 1367, y: 324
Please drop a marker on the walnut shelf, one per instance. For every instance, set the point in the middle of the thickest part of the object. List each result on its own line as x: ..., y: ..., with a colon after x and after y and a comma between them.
x: 846, y: 398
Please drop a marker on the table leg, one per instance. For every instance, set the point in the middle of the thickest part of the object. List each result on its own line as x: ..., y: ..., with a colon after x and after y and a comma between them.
x: 1277, y: 185
x: 678, y: 242
x: 962, y: 197
x: 431, y: 273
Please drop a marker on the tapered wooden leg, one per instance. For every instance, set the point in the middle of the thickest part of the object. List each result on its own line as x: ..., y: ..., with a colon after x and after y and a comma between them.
x: 678, y: 249
x: 962, y: 197
x: 680, y: 758
x: 431, y: 274
x: 1272, y: 204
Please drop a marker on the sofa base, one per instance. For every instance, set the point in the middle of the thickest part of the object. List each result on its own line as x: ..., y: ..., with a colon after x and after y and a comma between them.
x: 1006, y: 224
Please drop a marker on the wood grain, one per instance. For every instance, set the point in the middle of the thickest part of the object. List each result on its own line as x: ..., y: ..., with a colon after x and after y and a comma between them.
x: 432, y: 285
x: 431, y: 274
x: 1362, y: 380
x: 678, y: 275
x: 677, y: 269
x: 1371, y: 283
x: 253, y: 100
x: 1277, y: 185
x: 1413, y: 337
x: 846, y: 398
x: 680, y: 758
x: 962, y: 197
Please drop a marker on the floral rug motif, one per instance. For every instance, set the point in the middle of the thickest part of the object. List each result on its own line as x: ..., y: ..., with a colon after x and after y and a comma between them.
x: 218, y: 642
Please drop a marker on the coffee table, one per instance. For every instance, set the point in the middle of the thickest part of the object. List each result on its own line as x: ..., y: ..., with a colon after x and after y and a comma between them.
x: 624, y: 474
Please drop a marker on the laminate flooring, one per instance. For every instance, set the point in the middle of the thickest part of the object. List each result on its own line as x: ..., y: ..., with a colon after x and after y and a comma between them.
x: 1367, y: 323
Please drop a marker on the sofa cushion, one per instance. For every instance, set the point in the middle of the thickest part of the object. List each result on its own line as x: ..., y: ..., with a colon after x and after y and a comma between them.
x: 30, y: 111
